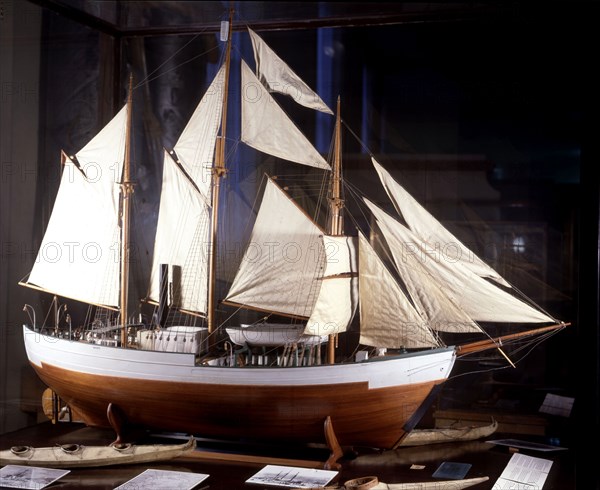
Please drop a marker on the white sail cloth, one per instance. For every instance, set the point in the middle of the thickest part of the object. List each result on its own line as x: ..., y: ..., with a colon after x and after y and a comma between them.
x: 426, y: 291
x: 267, y: 128
x: 387, y: 317
x: 290, y: 267
x: 277, y: 76
x: 338, y: 296
x: 181, y: 240
x: 282, y: 267
x: 183, y: 227
x: 195, y: 147
x: 79, y: 254
x: 458, y: 285
x: 430, y: 231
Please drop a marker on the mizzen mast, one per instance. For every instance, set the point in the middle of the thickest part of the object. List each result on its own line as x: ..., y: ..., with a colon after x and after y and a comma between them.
x: 218, y: 172
x: 126, y: 192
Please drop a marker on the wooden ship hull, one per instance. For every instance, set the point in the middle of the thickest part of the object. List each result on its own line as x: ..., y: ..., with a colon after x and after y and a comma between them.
x: 372, y: 403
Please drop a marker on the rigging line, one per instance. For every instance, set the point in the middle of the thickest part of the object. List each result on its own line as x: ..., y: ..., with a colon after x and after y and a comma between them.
x: 350, y: 357
x: 357, y: 196
x: 528, y: 347
x: 147, y: 79
x: 262, y: 185
x: 249, y: 225
x: 229, y: 317
x: 357, y: 138
x: 300, y: 176
x: 532, y: 346
x: 450, y: 298
x: 527, y: 300
x: 416, y: 303
x: 43, y: 325
x: 361, y: 143
x: 320, y: 196
x: 480, y: 371
x: 299, y: 186
x: 233, y: 148
x: 533, y: 342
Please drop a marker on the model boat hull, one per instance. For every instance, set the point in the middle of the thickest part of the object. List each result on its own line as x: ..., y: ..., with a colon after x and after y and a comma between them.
x: 436, y: 485
x: 76, y: 456
x: 370, y: 403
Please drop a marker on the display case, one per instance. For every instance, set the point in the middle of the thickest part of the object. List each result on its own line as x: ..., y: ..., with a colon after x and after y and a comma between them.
x: 481, y: 111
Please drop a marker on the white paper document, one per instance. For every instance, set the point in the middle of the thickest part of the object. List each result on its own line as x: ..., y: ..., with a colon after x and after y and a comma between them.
x: 557, y: 405
x: 29, y: 477
x: 163, y: 480
x: 292, y: 477
x: 524, y: 473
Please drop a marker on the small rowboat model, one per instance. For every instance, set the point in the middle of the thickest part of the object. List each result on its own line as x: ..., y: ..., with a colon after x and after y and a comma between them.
x: 76, y: 455
x: 422, y: 437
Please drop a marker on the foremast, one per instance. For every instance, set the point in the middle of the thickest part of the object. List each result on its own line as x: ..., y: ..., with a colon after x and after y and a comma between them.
x: 218, y: 171
x: 126, y: 193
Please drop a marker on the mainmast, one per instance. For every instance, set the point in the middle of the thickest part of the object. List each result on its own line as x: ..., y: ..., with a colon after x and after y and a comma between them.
x: 126, y: 192
x: 336, y: 204
x: 218, y: 172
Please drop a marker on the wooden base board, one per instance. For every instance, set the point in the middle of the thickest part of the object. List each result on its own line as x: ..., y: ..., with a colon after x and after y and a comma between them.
x: 204, y: 455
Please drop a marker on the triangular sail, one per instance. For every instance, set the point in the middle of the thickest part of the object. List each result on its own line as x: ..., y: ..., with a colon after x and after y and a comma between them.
x: 267, y: 128
x: 480, y: 299
x: 283, y: 263
x: 387, y: 317
x: 441, y: 312
x: 182, y: 232
x: 277, y: 76
x: 195, y: 148
x: 79, y: 254
x: 430, y: 230
x: 338, y: 296
x: 182, y: 239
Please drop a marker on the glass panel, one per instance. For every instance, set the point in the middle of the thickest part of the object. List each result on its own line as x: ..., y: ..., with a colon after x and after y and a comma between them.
x: 479, y: 119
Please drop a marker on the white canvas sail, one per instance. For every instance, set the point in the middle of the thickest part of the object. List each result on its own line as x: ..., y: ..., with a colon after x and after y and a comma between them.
x: 277, y: 76
x: 195, y: 148
x: 79, y: 255
x: 182, y: 239
x: 283, y: 263
x: 430, y: 230
x: 480, y: 299
x: 387, y: 317
x: 183, y: 227
x: 267, y: 128
x: 338, y: 296
x: 441, y: 312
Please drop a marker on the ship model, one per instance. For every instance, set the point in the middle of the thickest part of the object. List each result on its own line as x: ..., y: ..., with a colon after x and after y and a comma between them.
x: 310, y: 279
